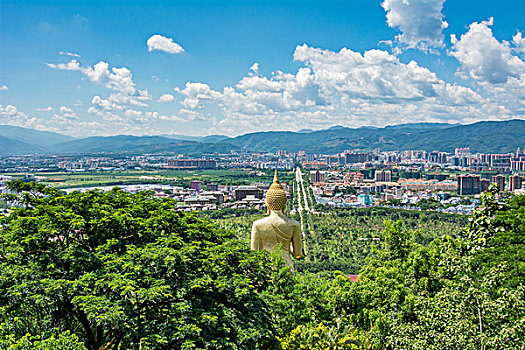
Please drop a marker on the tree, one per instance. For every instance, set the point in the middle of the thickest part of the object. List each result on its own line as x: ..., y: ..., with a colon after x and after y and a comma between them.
x: 123, y: 270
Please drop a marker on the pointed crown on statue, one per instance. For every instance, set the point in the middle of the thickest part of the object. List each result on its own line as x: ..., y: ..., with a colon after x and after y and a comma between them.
x: 276, y: 197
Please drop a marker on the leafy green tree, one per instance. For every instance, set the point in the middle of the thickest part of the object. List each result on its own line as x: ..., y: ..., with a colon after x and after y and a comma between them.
x: 123, y: 270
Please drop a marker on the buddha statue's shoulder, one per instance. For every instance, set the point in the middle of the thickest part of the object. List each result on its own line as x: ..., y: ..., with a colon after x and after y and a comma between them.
x: 293, y: 222
x: 262, y: 222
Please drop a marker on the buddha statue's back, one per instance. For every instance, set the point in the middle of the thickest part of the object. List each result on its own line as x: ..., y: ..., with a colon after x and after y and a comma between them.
x: 276, y: 231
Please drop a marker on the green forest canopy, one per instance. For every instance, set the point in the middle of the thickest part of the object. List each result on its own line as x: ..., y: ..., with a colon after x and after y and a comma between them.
x: 126, y: 271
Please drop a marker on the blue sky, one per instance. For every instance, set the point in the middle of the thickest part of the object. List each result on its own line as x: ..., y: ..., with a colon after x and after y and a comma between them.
x: 202, y: 67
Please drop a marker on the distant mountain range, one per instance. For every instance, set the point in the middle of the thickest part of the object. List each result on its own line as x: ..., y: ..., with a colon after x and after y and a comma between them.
x: 486, y: 137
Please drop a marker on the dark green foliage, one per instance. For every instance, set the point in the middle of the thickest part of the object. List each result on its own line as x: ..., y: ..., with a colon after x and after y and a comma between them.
x: 119, y: 270
x: 343, y: 239
x: 126, y: 271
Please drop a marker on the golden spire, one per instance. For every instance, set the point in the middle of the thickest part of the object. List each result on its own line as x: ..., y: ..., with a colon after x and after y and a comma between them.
x: 276, y: 197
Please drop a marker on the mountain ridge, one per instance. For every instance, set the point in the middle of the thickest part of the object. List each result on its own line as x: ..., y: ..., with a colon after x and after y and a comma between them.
x: 479, y: 136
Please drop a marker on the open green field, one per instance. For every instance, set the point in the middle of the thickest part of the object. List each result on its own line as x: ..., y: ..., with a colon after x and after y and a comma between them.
x: 232, y: 177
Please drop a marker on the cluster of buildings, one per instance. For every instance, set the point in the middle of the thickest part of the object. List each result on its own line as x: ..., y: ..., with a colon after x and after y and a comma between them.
x: 352, y: 177
x: 407, y: 177
x: 472, y: 184
x: 201, y: 196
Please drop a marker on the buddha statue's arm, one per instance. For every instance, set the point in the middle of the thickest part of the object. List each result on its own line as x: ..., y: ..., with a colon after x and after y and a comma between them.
x: 297, y: 242
x: 256, y: 242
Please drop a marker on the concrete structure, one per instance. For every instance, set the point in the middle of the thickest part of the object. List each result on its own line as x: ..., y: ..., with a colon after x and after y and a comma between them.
x: 200, y: 200
x: 515, y: 183
x: 469, y: 184
x: 212, y: 187
x: 355, y: 157
x: 317, y: 176
x: 500, y: 181
x: 383, y: 175
x: 196, y: 185
x: 484, y: 185
x: 219, y: 196
x: 242, y: 192
x: 192, y: 163
x: 365, y: 199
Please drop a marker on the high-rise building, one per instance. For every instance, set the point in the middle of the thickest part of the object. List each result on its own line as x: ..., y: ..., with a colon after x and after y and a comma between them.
x: 469, y: 184
x: 500, y: 181
x: 317, y: 176
x: 354, y: 157
x: 515, y: 183
x: 383, y: 175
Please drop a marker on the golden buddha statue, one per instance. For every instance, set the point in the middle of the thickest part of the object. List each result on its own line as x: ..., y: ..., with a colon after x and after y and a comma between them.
x: 276, y: 230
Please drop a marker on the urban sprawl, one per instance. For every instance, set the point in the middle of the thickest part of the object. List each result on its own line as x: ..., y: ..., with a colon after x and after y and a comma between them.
x: 410, y: 179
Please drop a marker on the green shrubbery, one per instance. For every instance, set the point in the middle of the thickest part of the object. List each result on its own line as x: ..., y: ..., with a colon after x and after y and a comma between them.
x: 116, y: 270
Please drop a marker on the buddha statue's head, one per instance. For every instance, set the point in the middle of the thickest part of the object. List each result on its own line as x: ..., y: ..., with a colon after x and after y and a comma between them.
x: 276, y: 197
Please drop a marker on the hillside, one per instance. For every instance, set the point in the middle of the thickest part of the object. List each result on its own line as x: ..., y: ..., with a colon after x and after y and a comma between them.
x: 485, y: 137
x: 15, y: 147
x: 480, y: 137
x: 138, y: 144
x: 33, y: 137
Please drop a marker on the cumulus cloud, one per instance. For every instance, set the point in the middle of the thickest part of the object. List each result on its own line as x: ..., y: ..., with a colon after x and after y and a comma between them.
x: 196, y: 92
x: 71, y: 65
x: 519, y: 42
x: 65, y: 116
x: 162, y: 43
x: 419, y: 21
x: 372, y: 88
x: 483, y: 57
x: 166, y: 98
x: 118, y: 79
x: 45, y: 109
x: 114, y: 108
x: 131, y: 113
x: 3, y: 88
x: 10, y: 115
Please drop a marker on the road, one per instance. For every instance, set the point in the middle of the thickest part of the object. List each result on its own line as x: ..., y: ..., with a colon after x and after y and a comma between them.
x: 302, y: 191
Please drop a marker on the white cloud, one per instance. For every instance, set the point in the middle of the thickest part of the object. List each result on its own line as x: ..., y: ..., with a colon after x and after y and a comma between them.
x: 483, y: 57
x: 195, y: 92
x: 118, y: 79
x: 65, y: 116
x: 10, y: 115
x: 345, y: 87
x: 71, y: 65
x: 255, y: 68
x: 161, y: 43
x: 191, y: 115
x: 166, y: 98
x: 131, y: 113
x: 519, y: 42
x: 419, y: 21
x: 70, y: 54
x: 45, y: 109
x: 3, y: 88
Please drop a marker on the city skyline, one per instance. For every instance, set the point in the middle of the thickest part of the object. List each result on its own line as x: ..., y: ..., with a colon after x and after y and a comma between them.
x: 198, y: 68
